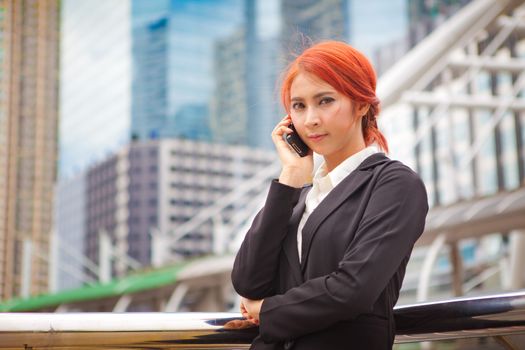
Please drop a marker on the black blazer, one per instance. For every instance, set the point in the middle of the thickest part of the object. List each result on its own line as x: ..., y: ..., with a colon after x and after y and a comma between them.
x: 355, y: 248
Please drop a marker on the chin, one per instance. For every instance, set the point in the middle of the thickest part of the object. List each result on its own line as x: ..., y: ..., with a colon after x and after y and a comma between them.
x: 320, y: 151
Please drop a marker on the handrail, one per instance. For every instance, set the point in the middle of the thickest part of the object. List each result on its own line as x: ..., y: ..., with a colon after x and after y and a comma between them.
x: 495, y: 315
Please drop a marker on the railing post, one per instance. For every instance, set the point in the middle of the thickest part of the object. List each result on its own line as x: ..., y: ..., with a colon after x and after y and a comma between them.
x: 457, y: 269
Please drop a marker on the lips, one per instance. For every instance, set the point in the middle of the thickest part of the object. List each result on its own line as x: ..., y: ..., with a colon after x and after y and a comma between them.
x: 316, y: 137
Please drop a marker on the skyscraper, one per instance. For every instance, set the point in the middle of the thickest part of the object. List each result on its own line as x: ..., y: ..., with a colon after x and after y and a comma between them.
x: 150, y: 79
x: 263, y: 25
x: 424, y: 16
x: 28, y: 141
x: 229, y: 110
x: 313, y: 20
x: 173, y: 50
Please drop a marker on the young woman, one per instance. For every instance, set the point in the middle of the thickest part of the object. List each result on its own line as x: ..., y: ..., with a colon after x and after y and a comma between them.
x: 322, y: 265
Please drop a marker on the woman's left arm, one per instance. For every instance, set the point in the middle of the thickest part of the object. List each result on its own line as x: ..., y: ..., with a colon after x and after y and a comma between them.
x: 392, y: 222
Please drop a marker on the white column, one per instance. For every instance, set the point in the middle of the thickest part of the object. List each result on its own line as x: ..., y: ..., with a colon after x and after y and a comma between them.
x: 517, y: 260
x: 218, y: 235
x: 27, y: 252
x: 104, y: 257
x: 123, y: 303
x: 53, y: 261
x: 176, y: 298
x: 426, y: 271
x: 160, y: 246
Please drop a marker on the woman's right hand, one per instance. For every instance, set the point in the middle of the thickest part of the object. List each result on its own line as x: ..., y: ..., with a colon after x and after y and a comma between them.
x: 296, y: 171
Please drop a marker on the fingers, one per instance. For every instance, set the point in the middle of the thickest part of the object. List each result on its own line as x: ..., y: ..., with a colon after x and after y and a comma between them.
x: 238, y: 324
x: 282, y: 126
x: 244, y: 312
x: 248, y: 317
x: 245, y: 306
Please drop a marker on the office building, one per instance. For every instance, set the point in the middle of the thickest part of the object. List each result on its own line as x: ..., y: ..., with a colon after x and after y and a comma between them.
x: 305, y: 21
x: 424, y: 16
x: 229, y: 110
x: 380, y: 31
x: 70, y: 232
x: 173, y: 56
x: 151, y: 187
x: 29, y: 85
x: 150, y: 79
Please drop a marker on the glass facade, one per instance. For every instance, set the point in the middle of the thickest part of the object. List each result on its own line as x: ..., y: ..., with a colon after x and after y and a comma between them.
x: 173, y: 58
x: 150, y: 83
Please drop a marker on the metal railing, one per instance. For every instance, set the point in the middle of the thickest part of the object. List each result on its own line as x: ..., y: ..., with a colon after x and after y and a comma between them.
x: 491, y: 316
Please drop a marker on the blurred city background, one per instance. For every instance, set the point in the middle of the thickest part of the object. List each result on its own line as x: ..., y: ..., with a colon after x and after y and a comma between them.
x: 135, y: 141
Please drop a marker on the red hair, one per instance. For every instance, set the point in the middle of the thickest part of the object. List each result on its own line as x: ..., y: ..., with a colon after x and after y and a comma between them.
x: 346, y: 70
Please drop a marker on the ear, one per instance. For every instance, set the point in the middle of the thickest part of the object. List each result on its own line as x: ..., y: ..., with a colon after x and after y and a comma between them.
x: 362, y: 108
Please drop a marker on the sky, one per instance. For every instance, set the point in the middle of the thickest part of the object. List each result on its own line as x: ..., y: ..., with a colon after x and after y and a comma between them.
x: 95, y: 81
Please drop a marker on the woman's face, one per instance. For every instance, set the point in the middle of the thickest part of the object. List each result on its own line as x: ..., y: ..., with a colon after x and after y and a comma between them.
x: 327, y: 121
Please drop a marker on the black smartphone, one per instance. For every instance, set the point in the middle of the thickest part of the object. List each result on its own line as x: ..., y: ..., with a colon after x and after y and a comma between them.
x: 296, y: 143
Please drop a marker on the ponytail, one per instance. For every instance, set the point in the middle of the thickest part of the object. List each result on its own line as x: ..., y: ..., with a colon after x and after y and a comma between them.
x: 370, y: 128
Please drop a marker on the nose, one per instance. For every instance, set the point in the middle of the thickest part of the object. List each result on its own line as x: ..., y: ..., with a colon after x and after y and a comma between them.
x: 312, y: 117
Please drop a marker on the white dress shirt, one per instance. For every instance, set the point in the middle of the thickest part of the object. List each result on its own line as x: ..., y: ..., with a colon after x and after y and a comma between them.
x: 324, y: 182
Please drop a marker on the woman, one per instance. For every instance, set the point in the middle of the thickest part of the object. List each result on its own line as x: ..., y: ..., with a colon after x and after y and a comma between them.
x: 321, y: 266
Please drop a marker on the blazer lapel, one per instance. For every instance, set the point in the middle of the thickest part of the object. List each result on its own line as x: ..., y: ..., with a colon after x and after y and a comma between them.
x: 290, y: 241
x: 333, y: 200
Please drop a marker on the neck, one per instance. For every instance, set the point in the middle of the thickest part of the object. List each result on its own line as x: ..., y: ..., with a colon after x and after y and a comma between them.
x: 333, y: 160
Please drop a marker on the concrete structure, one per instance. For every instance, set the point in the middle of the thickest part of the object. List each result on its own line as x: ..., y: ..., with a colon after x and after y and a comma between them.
x: 453, y: 109
x: 29, y: 47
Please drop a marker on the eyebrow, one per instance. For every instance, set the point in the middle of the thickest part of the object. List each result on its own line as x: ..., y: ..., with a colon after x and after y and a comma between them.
x: 317, y: 95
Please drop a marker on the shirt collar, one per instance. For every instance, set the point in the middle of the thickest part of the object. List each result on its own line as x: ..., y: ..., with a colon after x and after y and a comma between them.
x: 344, y: 169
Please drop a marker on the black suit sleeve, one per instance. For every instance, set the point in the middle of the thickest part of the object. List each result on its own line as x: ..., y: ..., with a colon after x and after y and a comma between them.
x: 393, y: 220
x: 256, y: 265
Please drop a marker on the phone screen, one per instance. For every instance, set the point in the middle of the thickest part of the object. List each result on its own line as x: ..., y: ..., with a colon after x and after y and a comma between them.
x: 296, y: 143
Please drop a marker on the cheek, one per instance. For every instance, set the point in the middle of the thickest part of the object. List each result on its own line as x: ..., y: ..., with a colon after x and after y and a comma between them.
x: 297, y: 119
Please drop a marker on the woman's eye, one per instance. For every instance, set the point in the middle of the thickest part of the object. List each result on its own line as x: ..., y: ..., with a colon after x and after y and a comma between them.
x: 297, y: 105
x: 326, y: 100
